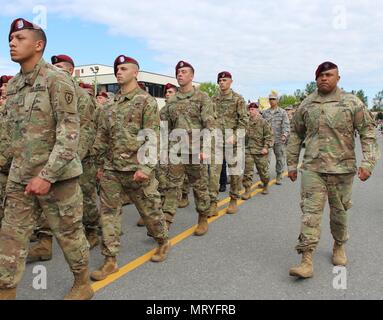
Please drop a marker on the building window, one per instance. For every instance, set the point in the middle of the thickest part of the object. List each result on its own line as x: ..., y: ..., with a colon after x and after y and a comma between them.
x: 155, y: 90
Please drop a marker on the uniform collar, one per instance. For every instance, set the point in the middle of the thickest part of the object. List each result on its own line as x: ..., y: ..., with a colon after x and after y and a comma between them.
x: 334, y: 96
x: 127, y: 96
x: 30, y: 77
x: 186, y: 95
x: 227, y: 96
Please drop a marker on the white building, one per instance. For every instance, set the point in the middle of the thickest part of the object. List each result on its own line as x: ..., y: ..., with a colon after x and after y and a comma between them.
x: 106, y: 81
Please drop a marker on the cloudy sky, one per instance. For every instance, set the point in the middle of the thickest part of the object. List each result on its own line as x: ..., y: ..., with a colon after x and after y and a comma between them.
x: 266, y: 45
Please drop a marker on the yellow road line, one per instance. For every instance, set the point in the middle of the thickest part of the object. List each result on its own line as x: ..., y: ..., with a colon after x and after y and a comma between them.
x: 182, y: 236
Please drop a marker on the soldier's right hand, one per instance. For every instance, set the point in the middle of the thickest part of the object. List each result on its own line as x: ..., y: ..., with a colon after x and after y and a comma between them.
x: 293, y: 175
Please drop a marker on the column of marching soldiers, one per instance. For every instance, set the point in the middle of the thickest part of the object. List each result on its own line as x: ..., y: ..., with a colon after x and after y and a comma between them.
x: 60, y: 145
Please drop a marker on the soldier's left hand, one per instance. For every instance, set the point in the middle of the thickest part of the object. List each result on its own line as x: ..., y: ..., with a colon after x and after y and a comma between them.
x: 364, y: 174
x: 139, y: 176
x: 284, y: 139
x: 264, y: 151
x: 38, y: 187
x: 230, y: 140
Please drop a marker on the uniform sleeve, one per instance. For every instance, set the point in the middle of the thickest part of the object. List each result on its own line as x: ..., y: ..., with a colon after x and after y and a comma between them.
x: 365, y: 125
x: 207, y: 113
x: 296, y: 139
x: 243, y: 116
x: 268, y: 136
x: 86, y: 109
x: 151, y: 121
x: 285, y: 124
x: 100, y: 146
x: 64, y: 103
x: 5, y: 145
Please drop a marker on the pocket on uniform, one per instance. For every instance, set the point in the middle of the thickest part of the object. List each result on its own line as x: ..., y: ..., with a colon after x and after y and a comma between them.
x: 71, y: 206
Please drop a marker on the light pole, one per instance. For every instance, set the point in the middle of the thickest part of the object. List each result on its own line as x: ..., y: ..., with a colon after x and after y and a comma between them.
x: 95, y: 71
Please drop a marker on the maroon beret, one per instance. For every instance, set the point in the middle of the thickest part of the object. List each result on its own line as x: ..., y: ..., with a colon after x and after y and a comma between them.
x: 169, y: 86
x: 4, y: 79
x: 325, y: 66
x: 253, y: 105
x: 124, y: 59
x: 183, y: 64
x: 22, y: 24
x: 102, y: 94
x: 142, y: 85
x: 224, y: 74
x: 86, y: 86
x: 62, y: 58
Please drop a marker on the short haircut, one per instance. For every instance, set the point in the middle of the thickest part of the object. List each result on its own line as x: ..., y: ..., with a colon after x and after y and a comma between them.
x: 40, y: 35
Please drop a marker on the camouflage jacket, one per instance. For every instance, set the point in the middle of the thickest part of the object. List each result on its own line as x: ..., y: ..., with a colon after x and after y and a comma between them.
x: 259, y: 135
x: 120, y: 122
x: 5, y: 156
x: 279, y: 121
x: 86, y: 108
x: 231, y: 111
x: 190, y: 111
x: 43, y: 125
x: 327, y: 125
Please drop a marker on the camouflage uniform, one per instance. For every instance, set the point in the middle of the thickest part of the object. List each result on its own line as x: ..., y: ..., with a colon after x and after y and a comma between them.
x: 87, y: 181
x: 231, y: 111
x: 170, y: 191
x: 327, y: 125
x: 116, y: 149
x: 188, y: 111
x: 44, y: 126
x: 5, y: 160
x: 280, y: 123
x: 259, y: 135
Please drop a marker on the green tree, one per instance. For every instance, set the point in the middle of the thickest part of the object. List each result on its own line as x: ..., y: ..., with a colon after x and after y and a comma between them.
x: 361, y: 95
x: 377, y: 102
x: 287, y: 100
x: 300, y: 95
x: 310, y: 88
x: 209, y: 87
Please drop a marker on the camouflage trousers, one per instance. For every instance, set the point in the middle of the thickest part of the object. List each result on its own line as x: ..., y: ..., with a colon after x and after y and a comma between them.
x: 3, y: 183
x: 91, y: 214
x: 170, y: 192
x: 89, y: 190
x: 280, y: 157
x: 262, y: 164
x: 314, y: 190
x: 197, y: 176
x: 63, y: 208
x: 185, y: 186
x: 145, y: 197
x: 215, y: 175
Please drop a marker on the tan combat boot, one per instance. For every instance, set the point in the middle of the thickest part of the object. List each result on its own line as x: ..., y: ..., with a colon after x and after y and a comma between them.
x: 213, y: 209
x: 42, y: 250
x: 184, y: 202
x: 247, y: 194
x: 81, y: 289
x: 203, y: 225
x: 305, y: 269
x: 279, y: 179
x: 339, y: 257
x: 265, y: 188
x: 8, y: 294
x: 162, y: 251
x: 109, y: 267
x: 92, y: 237
x: 233, y: 208
x: 141, y: 223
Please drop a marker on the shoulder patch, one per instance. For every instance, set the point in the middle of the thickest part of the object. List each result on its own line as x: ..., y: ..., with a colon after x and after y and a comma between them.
x: 68, y: 97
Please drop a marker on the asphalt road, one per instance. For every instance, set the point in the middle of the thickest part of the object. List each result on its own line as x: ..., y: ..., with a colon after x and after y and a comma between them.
x: 243, y: 256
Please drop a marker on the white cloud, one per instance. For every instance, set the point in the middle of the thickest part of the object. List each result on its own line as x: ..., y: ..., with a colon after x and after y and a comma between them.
x: 265, y: 44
